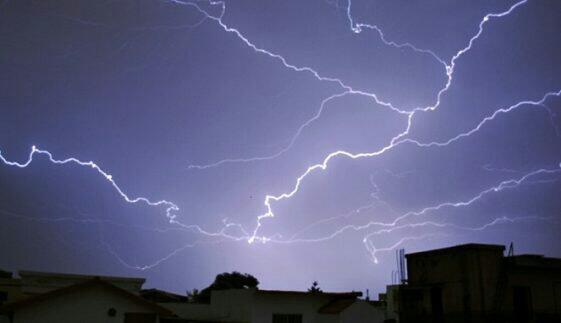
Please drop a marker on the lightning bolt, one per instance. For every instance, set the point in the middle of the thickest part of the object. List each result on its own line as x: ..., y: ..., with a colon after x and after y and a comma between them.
x: 394, y: 143
x: 171, y: 209
x: 394, y: 225
x: 356, y: 28
x: 373, y: 251
x: 389, y: 227
x: 395, y: 140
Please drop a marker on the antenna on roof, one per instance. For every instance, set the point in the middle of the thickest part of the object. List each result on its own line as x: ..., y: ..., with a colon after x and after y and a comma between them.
x: 398, y: 272
x: 511, y: 249
x: 401, y: 271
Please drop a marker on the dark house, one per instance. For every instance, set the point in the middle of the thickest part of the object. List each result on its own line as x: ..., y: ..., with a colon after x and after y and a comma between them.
x: 477, y: 283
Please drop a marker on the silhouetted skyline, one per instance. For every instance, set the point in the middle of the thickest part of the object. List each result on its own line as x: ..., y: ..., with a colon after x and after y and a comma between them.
x: 192, y: 122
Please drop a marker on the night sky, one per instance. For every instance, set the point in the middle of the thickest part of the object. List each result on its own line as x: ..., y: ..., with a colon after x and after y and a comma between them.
x: 293, y: 140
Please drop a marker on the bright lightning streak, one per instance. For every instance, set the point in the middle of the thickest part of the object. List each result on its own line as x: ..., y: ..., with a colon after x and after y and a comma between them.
x: 391, y: 226
x: 372, y: 250
x: 169, y: 206
x: 395, y: 140
x: 348, y: 90
x: 392, y: 145
x: 159, y: 261
x: 356, y: 28
x: 400, y: 138
x: 247, y: 42
x: 280, y: 152
x: 502, y: 220
x: 485, y: 120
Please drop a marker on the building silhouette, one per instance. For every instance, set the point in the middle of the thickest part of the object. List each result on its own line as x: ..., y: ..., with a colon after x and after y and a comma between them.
x: 477, y: 283
x: 467, y: 283
x: 54, y: 298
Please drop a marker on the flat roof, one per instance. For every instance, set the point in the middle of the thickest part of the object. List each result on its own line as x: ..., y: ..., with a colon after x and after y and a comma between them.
x: 536, y: 261
x: 462, y: 247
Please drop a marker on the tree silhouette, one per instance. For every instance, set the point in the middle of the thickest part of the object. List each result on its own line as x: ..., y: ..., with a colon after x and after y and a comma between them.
x: 233, y: 280
x: 315, y: 288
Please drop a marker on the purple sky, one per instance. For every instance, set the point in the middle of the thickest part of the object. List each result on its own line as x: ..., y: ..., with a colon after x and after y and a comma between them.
x: 293, y: 140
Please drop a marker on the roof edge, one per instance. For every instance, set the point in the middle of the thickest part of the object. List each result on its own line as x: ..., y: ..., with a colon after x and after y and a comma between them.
x: 466, y: 246
x: 87, y: 284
